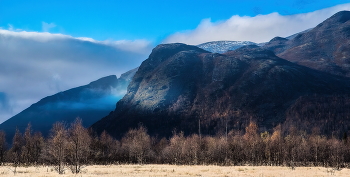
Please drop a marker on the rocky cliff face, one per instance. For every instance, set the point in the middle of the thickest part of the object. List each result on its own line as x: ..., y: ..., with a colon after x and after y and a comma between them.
x: 325, y: 47
x: 89, y: 102
x: 179, y: 86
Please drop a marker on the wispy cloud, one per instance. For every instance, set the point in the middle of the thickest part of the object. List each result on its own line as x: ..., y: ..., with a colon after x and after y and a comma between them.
x: 47, y: 26
x: 35, y: 65
x: 260, y: 28
x: 138, y: 46
x: 12, y: 28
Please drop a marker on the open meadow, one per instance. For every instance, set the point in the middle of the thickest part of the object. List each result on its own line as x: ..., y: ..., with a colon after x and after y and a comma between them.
x: 176, y: 170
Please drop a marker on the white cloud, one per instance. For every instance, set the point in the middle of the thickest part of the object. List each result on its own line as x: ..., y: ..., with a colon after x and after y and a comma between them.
x: 260, y: 28
x: 35, y: 65
x: 139, y: 46
x: 11, y: 28
x: 47, y: 26
x: 35, y: 36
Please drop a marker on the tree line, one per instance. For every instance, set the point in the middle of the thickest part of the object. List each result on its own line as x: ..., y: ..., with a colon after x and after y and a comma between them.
x: 73, y: 147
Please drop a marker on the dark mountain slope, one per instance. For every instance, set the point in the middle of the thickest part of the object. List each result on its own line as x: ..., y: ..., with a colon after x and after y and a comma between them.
x: 325, y: 47
x: 180, y: 84
x: 89, y: 102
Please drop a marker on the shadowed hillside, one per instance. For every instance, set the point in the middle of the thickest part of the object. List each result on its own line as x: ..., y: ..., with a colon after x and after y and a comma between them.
x: 89, y: 102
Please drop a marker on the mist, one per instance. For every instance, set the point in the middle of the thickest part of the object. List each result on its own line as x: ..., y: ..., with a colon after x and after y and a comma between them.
x: 35, y: 65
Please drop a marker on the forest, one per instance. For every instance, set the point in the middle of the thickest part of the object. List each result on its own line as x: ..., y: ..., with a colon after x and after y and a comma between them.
x: 74, y: 147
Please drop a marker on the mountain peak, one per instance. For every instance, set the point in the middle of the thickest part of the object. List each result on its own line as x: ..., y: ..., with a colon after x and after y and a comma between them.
x: 163, y: 51
x: 336, y: 19
x: 128, y: 75
x: 104, y: 81
x: 279, y: 39
x: 342, y: 16
x: 174, y: 47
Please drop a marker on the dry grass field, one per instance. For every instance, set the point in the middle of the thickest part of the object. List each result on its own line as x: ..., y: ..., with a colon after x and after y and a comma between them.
x: 176, y: 171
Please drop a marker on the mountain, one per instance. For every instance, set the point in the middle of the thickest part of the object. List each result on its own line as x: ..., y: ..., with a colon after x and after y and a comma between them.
x: 89, y: 102
x: 181, y: 86
x: 296, y: 34
x: 223, y: 46
x: 325, y: 47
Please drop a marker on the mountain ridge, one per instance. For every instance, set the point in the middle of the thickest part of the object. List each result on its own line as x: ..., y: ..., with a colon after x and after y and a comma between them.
x: 325, y: 47
x: 89, y: 102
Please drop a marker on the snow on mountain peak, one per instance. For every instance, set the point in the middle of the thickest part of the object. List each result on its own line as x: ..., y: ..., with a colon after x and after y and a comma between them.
x: 223, y: 46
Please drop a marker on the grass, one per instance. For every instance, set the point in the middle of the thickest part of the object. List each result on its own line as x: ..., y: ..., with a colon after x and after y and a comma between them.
x: 176, y: 171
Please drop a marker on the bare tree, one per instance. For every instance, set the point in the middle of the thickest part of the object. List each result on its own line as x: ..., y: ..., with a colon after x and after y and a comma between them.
x: 32, y: 146
x: 14, y: 154
x: 252, y: 141
x: 317, y: 145
x: 174, y: 153
x: 38, y: 145
x: 275, y: 145
x: 138, y: 144
x: 158, y: 146
x: 3, y: 146
x: 79, y: 146
x: 109, y: 147
x: 190, y: 149
x: 266, y: 147
x: 337, y: 153
x: 216, y: 149
x: 236, y: 147
x: 292, y: 141
x: 57, y: 147
x: 27, y: 148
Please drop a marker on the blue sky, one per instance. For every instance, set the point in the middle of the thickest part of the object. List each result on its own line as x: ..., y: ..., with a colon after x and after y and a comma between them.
x: 51, y: 46
x: 151, y: 20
